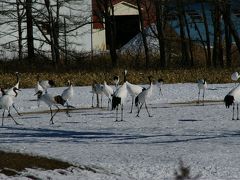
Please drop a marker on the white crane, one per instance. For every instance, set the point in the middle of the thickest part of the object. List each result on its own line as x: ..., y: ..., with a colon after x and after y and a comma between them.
x: 6, y: 101
x: 12, y: 92
x: 143, y: 96
x: 42, y: 85
x: 38, y: 87
x: 133, y: 90
x: 67, y: 95
x: 51, y: 100
x: 119, y: 97
x: 232, y: 98
x: 159, y: 84
x: 202, y: 84
x: 108, y: 91
x: 98, y: 90
x: 45, y: 84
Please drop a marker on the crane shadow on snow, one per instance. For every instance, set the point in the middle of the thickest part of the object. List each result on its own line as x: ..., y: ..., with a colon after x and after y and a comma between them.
x: 84, y: 111
x: 190, y: 104
x: 195, y: 102
x: 189, y: 120
x: 42, y: 135
x: 74, y: 112
x: 103, y: 111
x: 30, y: 117
x: 176, y: 138
x: 19, y: 135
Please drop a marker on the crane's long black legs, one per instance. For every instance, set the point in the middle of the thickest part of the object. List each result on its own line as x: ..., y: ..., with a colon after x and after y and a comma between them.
x: 67, y: 112
x: 3, y: 117
x: 132, y: 104
x: 92, y: 100
x: 117, y: 113
x: 12, y: 117
x: 237, y: 113
x: 101, y: 100
x: 16, y: 109
x: 109, y: 101
x: 147, y: 110
x: 233, y: 112
x: 139, y: 109
x: 203, y: 97
x: 160, y: 91
x: 198, y: 95
x: 52, y: 115
x: 122, y: 112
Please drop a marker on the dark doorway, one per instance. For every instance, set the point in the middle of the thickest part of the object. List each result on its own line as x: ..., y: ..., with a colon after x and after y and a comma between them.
x: 127, y: 27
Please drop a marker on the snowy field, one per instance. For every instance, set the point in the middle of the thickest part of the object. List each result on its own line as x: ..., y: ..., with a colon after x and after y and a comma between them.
x: 139, y: 148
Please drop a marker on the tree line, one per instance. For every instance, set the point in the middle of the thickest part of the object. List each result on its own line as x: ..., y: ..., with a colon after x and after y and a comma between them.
x: 33, y: 24
x: 26, y: 17
x: 217, y: 53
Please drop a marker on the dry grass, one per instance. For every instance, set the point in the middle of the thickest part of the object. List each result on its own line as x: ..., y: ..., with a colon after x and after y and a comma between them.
x: 80, y: 78
x: 12, y: 163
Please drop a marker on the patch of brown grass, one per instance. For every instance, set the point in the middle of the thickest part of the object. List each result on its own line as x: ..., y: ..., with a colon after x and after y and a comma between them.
x: 12, y: 163
x: 81, y: 78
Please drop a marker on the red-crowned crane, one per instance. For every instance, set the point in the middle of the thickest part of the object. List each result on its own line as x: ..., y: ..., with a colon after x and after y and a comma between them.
x: 6, y: 101
x: 51, y: 100
x: 119, y: 97
x: 98, y: 90
x: 108, y: 91
x: 141, y: 98
x: 232, y: 98
x: 202, y: 85
x: 12, y: 92
x: 67, y: 95
x: 133, y: 90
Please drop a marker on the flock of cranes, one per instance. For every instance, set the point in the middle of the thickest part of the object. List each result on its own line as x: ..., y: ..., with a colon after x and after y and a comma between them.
x: 116, y: 97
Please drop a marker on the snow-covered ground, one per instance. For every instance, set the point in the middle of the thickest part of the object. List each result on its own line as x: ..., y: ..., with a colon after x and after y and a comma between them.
x: 143, y: 148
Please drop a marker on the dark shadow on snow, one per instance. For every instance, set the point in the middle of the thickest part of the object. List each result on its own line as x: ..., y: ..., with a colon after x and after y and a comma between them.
x: 189, y: 120
x: 36, y: 135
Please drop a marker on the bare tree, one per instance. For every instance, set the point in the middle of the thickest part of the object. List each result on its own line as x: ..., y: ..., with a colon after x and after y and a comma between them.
x: 228, y: 22
x: 105, y: 13
x: 184, y: 44
x: 228, y: 38
x: 217, y: 44
x: 143, y: 32
x: 57, y: 25
x: 208, y: 43
x: 190, y: 44
x: 159, y: 8
x: 30, y: 40
x: 20, y: 16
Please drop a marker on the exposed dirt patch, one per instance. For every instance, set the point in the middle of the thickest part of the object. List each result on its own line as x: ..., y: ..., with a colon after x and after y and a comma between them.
x: 12, y: 163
